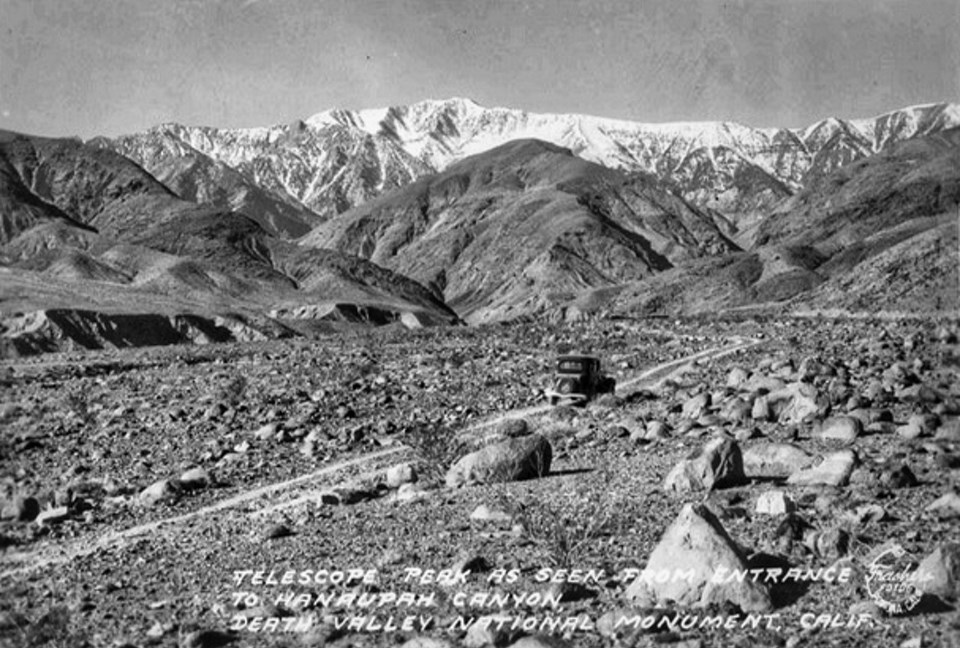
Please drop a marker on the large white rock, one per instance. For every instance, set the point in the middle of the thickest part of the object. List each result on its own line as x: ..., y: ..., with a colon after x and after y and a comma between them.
x: 525, y: 457
x: 939, y: 573
x: 774, y: 460
x: 834, y: 470
x: 775, y: 503
x: 688, y: 564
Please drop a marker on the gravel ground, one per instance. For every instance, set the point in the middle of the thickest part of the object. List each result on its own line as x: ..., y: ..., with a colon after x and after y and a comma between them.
x: 90, y: 432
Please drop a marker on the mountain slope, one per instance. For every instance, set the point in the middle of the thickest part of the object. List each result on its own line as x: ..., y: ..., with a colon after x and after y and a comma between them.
x: 196, y: 177
x: 520, y: 228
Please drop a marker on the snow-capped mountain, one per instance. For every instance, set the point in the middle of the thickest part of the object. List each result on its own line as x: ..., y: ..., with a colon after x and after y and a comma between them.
x: 339, y: 158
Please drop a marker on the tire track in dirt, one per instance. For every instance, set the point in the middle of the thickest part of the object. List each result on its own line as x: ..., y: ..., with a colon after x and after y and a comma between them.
x: 49, y: 556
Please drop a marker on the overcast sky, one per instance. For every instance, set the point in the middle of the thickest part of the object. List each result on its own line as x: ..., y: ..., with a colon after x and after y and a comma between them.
x: 89, y: 67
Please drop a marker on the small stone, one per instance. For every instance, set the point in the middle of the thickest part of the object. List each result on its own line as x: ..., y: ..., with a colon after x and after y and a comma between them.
x: 275, y: 531
x: 266, y: 432
x: 775, y: 503
x: 761, y: 409
x: 657, y: 430
x: 195, y: 479
x: 51, y: 516
x: 411, y: 492
x: 343, y: 496
x: 401, y: 474
x: 484, y: 513
x: 159, y: 491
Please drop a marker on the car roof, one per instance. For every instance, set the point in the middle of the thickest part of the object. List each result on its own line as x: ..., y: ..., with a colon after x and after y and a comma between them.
x: 563, y: 358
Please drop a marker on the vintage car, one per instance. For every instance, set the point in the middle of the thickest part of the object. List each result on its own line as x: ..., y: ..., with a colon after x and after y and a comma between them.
x: 578, y: 379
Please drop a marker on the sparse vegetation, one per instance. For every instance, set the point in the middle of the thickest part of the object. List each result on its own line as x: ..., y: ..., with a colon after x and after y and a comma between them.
x: 437, y: 447
x: 52, y: 630
x: 564, y: 528
x: 232, y: 392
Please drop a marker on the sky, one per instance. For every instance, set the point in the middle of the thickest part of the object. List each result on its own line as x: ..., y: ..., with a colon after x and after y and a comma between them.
x: 108, y: 67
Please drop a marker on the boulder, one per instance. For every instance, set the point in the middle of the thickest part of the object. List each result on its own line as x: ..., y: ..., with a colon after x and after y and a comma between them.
x: 717, y: 465
x: 736, y: 377
x: 774, y: 460
x: 525, y: 457
x: 657, y: 430
x: 687, y: 567
x: 696, y: 406
x: 939, y: 573
x: 844, y: 429
x: 947, y: 506
x: 795, y: 403
x: 834, y: 470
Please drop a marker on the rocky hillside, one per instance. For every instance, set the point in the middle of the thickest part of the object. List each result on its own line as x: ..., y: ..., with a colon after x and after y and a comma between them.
x: 521, y: 227
x: 89, y: 232
x: 337, y: 159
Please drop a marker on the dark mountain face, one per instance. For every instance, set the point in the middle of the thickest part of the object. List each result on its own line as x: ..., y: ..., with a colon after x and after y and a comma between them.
x: 85, y: 227
x: 522, y: 227
x: 198, y: 178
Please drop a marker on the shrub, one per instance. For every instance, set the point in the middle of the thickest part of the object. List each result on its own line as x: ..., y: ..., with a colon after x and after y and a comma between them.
x: 437, y: 447
x: 565, y: 529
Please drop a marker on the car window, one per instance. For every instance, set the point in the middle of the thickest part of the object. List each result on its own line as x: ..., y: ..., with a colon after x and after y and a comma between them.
x: 570, y: 366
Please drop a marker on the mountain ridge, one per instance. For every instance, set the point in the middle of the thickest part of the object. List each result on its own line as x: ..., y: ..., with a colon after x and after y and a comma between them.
x: 337, y: 159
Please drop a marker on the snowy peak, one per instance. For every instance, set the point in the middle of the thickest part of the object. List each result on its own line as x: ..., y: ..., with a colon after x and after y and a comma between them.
x: 339, y: 158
